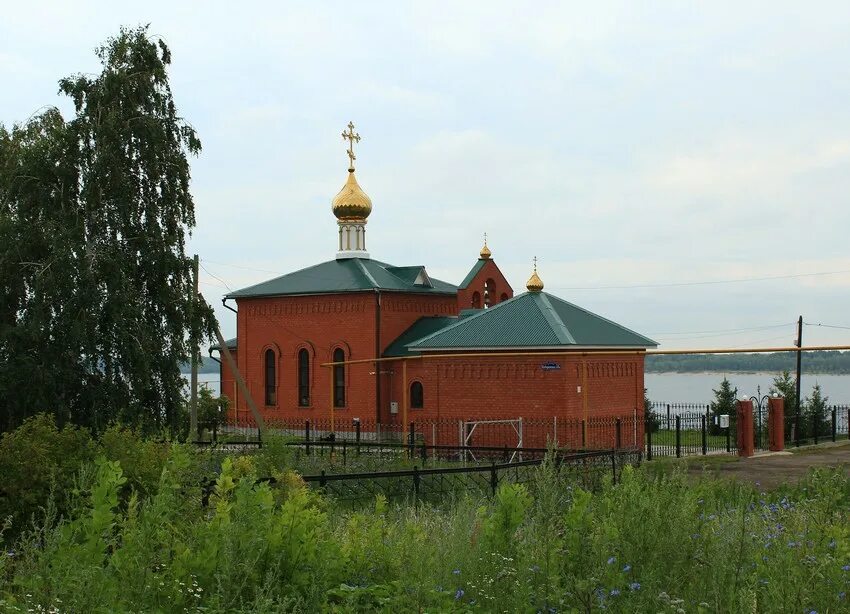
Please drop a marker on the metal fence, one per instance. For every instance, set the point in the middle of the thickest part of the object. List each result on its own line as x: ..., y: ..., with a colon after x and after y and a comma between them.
x: 672, y: 431
x: 588, y: 470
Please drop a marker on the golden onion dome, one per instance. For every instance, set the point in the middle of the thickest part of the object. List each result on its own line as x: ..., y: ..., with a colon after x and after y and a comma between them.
x: 351, y: 203
x: 485, y: 252
x: 534, y: 283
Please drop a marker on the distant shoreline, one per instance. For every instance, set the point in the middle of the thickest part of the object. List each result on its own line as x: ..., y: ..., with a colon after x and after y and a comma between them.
x: 739, y: 372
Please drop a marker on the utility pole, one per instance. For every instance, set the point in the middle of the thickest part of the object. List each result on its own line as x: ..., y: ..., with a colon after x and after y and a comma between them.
x: 799, y: 344
x: 193, y: 399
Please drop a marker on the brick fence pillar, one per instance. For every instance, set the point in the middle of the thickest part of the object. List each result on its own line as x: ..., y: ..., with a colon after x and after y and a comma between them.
x: 776, y: 423
x: 746, y: 446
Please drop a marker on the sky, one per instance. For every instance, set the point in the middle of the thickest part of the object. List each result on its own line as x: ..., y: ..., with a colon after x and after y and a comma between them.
x: 660, y: 159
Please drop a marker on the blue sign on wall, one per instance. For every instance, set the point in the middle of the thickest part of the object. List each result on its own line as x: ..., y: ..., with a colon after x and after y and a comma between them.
x: 550, y: 366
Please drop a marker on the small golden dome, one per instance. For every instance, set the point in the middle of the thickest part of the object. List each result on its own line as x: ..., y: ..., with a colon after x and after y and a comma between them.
x: 534, y: 283
x: 351, y: 203
x: 485, y: 252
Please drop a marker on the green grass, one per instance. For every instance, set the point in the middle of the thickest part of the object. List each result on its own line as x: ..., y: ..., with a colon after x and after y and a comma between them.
x: 657, y: 541
x: 691, y: 438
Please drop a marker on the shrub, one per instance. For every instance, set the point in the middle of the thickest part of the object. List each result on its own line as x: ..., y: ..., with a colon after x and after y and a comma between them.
x: 142, y: 460
x: 38, y: 459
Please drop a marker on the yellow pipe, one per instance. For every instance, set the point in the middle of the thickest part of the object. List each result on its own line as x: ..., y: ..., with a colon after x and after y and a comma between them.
x: 590, y: 353
x: 403, y: 395
x: 584, y: 397
x: 331, y: 398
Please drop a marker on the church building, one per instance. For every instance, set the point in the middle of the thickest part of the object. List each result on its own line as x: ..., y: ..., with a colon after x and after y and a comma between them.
x: 445, y: 352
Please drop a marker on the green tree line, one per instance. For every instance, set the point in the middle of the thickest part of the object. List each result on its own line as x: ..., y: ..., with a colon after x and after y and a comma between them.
x: 813, y: 362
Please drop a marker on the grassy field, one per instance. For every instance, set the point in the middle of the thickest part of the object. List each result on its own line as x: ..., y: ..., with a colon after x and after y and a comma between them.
x: 127, y: 533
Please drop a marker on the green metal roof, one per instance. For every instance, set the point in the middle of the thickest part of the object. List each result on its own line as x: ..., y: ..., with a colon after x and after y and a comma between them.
x: 472, y: 273
x: 348, y: 275
x: 532, y: 320
x: 231, y: 345
x: 421, y: 328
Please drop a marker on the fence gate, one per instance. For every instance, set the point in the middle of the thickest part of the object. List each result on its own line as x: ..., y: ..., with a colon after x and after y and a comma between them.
x: 492, y: 433
x: 760, y: 432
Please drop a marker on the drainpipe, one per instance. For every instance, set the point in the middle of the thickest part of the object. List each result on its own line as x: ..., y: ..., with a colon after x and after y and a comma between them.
x: 377, y: 355
x: 224, y: 302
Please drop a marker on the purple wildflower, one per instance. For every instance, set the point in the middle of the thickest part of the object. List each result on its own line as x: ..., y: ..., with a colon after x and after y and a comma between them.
x: 634, y: 586
x: 627, y: 568
x: 615, y: 592
x: 612, y: 560
x: 459, y: 594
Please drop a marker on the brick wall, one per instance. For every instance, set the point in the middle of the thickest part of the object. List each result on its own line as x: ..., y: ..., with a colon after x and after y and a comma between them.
x: 320, y: 324
x: 489, y: 271
x: 468, y: 388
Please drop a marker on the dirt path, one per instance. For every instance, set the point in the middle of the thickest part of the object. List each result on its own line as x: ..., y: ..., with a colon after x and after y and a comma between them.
x: 773, y: 470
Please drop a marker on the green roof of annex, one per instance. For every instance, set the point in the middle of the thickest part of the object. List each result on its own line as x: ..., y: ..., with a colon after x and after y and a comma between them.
x: 530, y: 321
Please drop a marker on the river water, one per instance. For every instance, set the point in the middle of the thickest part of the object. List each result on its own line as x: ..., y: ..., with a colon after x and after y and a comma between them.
x: 697, y: 387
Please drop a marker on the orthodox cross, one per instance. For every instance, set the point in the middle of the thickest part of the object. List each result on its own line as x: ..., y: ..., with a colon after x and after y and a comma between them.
x: 485, y: 239
x: 535, y: 264
x: 352, y: 138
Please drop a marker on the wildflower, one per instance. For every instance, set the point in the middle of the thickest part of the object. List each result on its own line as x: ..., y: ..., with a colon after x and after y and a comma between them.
x: 456, y: 572
x: 612, y: 560
x: 534, y: 568
x: 627, y: 568
x: 842, y: 595
x: 615, y: 592
x: 459, y: 594
x: 634, y: 586
x: 845, y: 568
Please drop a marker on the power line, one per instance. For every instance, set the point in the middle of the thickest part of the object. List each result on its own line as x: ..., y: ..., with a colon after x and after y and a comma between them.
x: 700, y: 283
x: 760, y: 341
x: 207, y: 271
x: 827, y: 325
x: 244, y: 268
x: 611, y: 287
x: 725, y: 330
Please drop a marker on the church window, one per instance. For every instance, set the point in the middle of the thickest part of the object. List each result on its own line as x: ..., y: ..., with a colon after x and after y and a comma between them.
x: 271, y: 378
x: 476, y: 300
x: 303, y: 378
x: 417, y: 396
x: 339, y: 378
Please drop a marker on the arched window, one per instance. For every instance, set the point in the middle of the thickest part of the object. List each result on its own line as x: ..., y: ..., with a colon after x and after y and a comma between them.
x: 271, y: 378
x: 417, y: 396
x: 339, y: 378
x: 303, y: 378
x: 476, y: 300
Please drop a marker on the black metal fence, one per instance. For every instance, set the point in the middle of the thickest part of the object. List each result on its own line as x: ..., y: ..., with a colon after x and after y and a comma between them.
x: 672, y: 431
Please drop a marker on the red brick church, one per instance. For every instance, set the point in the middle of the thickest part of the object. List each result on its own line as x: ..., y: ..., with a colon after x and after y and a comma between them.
x: 453, y: 352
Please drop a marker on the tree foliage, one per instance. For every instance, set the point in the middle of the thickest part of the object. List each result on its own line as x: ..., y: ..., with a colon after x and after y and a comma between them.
x: 786, y: 386
x: 813, y: 362
x: 816, y: 414
x: 96, y: 303
x: 725, y: 402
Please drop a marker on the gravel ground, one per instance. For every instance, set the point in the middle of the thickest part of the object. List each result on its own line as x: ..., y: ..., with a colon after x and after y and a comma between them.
x: 773, y: 470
